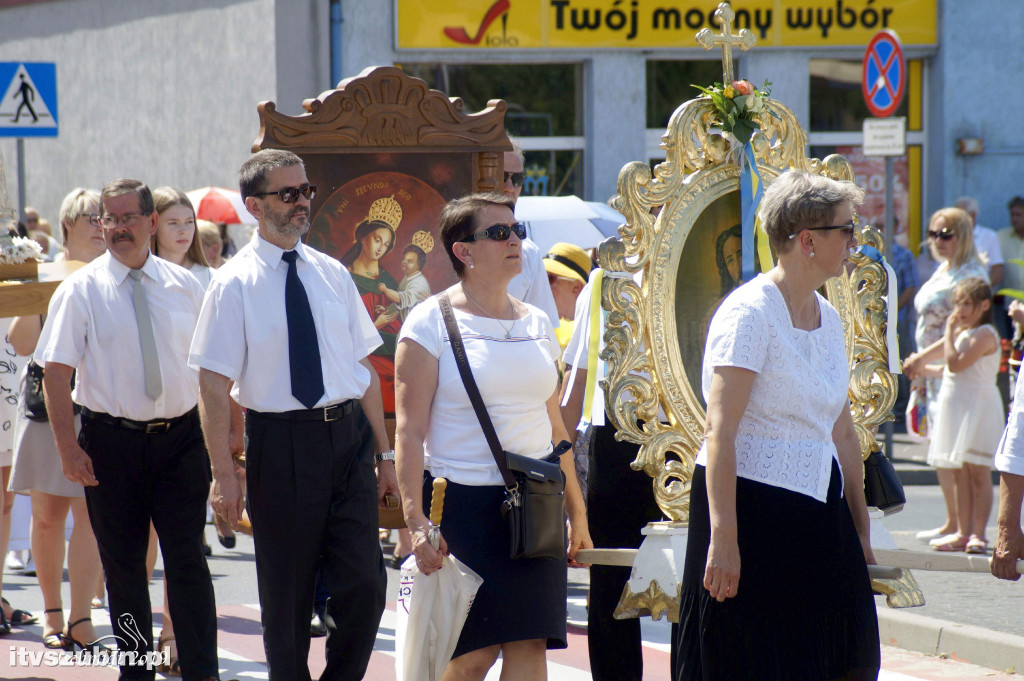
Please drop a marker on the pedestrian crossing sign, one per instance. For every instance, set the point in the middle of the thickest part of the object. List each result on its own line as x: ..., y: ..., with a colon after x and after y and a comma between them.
x: 29, y: 104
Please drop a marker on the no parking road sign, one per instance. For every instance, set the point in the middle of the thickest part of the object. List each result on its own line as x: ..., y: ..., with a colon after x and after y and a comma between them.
x: 884, y: 74
x: 29, y: 104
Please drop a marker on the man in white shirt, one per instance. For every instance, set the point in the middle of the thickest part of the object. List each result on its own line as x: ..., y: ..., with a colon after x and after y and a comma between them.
x: 531, y: 284
x: 283, y: 328
x: 124, y: 321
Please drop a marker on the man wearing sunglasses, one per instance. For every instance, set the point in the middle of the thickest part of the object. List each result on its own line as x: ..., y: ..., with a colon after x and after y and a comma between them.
x: 531, y: 284
x: 283, y: 328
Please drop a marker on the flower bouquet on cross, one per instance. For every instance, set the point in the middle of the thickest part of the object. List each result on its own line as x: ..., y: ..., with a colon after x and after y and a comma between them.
x: 738, y: 105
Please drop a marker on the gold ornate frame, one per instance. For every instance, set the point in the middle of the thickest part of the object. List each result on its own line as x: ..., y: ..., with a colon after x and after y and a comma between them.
x: 645, y: 363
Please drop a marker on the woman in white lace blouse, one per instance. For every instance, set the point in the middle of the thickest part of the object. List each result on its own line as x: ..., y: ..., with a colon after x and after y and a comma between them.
x: 777, y: 495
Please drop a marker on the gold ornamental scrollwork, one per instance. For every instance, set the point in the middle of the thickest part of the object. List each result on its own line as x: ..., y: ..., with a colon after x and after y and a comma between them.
x: 641, y: 292
x: 860, y: 298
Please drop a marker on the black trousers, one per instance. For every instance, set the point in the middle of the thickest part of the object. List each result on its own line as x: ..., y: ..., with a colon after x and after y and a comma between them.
x: 312, y: 500
x: 163, y: 478
x: 620, y: 502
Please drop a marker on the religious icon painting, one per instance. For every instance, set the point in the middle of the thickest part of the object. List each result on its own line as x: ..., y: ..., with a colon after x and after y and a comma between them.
x: 383, y: 227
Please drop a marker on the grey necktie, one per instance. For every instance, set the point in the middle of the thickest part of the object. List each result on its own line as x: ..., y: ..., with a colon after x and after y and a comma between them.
x: 150, y: 358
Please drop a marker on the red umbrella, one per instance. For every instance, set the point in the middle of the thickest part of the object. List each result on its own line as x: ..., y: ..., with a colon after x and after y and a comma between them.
x: 217, y: 204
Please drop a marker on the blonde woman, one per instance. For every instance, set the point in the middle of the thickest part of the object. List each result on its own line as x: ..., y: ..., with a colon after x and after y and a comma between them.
x: 37, y: 464
x: 951, y: 244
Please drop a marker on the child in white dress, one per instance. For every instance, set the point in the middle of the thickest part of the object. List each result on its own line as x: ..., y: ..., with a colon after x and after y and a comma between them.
x: 968, y: 412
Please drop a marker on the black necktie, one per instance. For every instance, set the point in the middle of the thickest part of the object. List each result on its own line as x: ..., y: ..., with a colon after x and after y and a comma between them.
x: 303, y: 349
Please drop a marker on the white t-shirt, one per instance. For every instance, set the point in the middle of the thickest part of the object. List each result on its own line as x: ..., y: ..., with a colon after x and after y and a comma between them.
x: 203, y: 273
x: 784, y: 438
x: 515, y: 377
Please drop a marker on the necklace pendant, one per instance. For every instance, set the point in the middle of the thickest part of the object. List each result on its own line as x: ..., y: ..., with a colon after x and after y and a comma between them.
x: 508, y: 334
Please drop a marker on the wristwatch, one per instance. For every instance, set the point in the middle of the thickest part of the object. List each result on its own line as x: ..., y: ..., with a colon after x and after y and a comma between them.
x: 384, y: 456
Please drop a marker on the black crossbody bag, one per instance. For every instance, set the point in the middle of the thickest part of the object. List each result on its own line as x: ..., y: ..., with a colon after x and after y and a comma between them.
x: 534, y: 504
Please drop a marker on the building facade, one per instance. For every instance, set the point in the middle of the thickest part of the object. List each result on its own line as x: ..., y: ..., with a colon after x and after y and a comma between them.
x: 167, y: 91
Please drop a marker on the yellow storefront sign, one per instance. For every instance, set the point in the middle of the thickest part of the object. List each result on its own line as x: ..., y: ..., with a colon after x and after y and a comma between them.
x: 531, y: 24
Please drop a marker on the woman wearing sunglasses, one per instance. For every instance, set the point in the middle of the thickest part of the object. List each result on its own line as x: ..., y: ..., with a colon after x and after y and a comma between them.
x: 951, y: 242
x: 519, y: 610
x: 777, y: 495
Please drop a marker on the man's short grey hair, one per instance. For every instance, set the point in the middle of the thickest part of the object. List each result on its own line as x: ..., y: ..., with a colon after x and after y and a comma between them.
x: 126, y: 186
x: 252, y: 177
x: 969, y: 204
x: 798, y: 200
x: 517, y: 148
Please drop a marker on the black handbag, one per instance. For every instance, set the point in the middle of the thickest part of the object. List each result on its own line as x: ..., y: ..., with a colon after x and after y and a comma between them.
x: 534, y: 504
x: 882, y: 486
x: 32, y: 392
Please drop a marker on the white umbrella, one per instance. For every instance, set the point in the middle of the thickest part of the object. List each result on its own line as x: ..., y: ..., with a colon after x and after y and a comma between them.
x: 551, y: 219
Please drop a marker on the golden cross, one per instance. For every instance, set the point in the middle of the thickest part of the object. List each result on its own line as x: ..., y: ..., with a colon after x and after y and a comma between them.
x: 744, y: 39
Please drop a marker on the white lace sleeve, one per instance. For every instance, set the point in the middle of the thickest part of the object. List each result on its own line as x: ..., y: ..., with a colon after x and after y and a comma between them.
x: 737, y: 338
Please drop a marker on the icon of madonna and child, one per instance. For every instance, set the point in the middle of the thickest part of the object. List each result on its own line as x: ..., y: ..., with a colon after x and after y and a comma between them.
x: 372, y: 250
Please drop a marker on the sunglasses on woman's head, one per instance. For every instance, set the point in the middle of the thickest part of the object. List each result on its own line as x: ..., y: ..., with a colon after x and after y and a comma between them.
x: 498, y: 233
x: 944, y: 235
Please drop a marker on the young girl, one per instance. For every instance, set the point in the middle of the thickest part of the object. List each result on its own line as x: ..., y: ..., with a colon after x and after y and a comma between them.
x: 968, y: 412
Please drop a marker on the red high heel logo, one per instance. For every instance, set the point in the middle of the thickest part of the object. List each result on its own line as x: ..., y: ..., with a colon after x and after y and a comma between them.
x: 459, y: 35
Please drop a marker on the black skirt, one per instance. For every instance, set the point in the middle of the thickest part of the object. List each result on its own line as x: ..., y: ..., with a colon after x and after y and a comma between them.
x: 804, y: 609
x: 519, y: 600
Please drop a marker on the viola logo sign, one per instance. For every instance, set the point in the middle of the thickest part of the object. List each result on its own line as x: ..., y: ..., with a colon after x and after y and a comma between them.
x: 499, y: 9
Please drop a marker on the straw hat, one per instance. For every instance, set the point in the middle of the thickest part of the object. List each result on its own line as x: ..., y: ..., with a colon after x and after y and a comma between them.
x: 568, y: 261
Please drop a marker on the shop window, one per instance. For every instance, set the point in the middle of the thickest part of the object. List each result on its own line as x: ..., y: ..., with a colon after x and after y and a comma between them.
x: 837, y: 103
x: 545, y: 111
x: 544, y: 100
x: 670, y: 83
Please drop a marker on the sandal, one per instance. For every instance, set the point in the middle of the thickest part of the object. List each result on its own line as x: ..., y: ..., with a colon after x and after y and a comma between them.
x: 174, y: 667
x: 57, y: 640
x: 949, y: 543
x: 5, y: 626
x: 976, y: 545
x: 93, y: 648
x: 19, y: 617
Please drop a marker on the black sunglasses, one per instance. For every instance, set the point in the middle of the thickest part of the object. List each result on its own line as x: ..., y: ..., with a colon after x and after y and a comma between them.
x: 518, y: 179
x: 498, y: 233
x: 291, y: 194
x: 847, y: 228
x: 944, y: 235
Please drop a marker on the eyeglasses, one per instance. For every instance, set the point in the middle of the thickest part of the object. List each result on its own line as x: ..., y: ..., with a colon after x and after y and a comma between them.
x: 128, y: 219
x: 944, y: 235
x: 498, y: 233
x: 291, y: 194
x: 847, y: 230
x: 518, y: 179
x: 93, y: 219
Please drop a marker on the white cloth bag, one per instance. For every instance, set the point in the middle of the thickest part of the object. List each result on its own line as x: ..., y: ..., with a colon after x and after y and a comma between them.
x: 429, y: 617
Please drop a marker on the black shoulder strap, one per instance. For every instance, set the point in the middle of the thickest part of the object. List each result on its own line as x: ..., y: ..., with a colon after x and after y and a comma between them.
x: 455, y: 338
